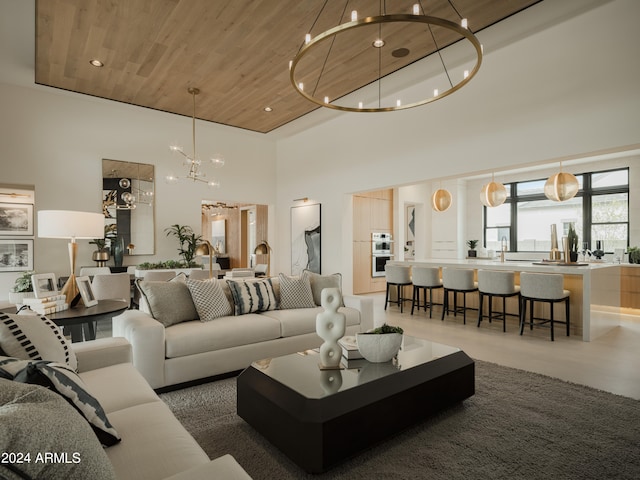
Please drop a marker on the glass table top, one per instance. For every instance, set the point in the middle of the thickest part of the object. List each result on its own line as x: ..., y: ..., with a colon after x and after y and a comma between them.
x: 301, y: 373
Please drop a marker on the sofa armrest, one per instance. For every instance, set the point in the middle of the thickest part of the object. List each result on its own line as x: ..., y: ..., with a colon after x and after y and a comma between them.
x: 222, y: 467
x: 365, y: 306
x: 100, y: 353
x: 147, y: 339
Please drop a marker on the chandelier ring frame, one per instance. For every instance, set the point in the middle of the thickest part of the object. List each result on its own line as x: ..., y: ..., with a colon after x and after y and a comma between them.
x: 379, y: 20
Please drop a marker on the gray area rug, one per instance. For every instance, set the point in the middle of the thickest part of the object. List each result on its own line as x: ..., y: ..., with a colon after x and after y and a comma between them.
x: 518, y: 425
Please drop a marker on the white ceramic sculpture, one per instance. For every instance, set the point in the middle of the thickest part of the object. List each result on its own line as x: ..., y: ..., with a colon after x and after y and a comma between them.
x: 330, y: 326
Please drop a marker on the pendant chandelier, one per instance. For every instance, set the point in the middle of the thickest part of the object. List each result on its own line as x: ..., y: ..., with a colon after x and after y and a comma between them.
x: 192, y: 162
x: 441, y: 200
x: 493, y: 194
x: 561, y: 187
x: 133, y: 194
x: 362, y: 50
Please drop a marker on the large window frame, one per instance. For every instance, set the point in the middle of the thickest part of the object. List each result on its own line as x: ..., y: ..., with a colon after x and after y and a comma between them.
x: 587, y: 193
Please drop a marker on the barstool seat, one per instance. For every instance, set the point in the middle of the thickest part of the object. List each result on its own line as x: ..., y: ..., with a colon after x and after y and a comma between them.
x: 398, y: 276
x: 547, y: 288
x: 457, y: 280
x: 424, y: 278
x: 494, y: 283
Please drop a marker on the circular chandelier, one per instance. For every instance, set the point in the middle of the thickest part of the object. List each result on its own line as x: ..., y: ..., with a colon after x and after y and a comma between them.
x: 363, y: 51
x: 561, y: 187
x: 441, y: 200
x: 493, y: 194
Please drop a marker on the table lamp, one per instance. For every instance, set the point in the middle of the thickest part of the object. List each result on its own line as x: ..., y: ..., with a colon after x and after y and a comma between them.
x: 205, y: 248
x: 72, y: 225
x: 263, y: 248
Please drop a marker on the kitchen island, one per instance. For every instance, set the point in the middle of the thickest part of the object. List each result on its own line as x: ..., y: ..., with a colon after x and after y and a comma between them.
x: 595, y: 288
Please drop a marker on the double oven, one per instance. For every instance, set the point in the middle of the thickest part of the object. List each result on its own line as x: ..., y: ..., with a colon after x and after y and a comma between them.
x: 381, y: 247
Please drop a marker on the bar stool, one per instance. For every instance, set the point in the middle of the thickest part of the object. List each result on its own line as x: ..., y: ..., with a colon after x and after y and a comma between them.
x: 457, y: 280
x: 497, y: 284
x: 425, y: 278
x: 397, y: 276
x: 543, y: 287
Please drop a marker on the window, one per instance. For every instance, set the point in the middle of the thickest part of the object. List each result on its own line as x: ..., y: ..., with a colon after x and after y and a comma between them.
x: 600, y: 211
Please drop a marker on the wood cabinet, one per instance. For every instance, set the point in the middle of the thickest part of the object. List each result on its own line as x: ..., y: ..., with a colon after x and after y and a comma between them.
x: 630, y: 287
x: 372, y: 212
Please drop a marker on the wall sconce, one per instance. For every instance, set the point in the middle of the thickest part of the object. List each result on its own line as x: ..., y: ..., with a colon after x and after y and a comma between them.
x: 303, y: 199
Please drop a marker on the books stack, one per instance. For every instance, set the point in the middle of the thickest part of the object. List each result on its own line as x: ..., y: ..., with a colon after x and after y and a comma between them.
x: 46, y: 305
x: 350, y: 348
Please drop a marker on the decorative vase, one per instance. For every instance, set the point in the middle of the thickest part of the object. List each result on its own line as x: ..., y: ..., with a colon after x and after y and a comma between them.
x: 379, y: 347
x: 118, y: 251
x: 330, y: 326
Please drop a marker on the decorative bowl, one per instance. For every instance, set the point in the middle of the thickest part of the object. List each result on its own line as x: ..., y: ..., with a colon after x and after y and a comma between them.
x: 378, y: 347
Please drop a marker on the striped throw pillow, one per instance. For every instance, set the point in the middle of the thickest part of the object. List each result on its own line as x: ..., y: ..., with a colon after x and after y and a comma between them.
x: 252, y: 296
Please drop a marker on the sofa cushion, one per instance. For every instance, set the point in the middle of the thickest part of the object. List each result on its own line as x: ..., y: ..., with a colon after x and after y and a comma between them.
x: 301, y: 321
x: 209, y: 299
x: 252, y: 296
x: 320, y: 282
x: 36, y: 421
x: 169, y: 302
x: 191, y: 338
x: 295, y: 292
x: 64, y: 381
x: 33, y: 337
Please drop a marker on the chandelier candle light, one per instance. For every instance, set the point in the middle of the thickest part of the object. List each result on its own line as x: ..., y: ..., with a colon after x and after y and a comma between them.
x: 194, y: 164
x: 369, y: 48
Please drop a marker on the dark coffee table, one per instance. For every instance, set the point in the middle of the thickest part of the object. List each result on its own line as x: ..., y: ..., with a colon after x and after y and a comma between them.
x: 80, y: 319
x: 320, y: 418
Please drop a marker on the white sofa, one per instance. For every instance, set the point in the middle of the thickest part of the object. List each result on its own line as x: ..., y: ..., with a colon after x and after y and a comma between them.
x: 195, y: 350
x: 154, y: 445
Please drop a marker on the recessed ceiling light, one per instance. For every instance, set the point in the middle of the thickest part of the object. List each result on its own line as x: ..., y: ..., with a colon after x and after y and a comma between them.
x: 96, y: 63
x: 268, y: 109
x: 379, y: 43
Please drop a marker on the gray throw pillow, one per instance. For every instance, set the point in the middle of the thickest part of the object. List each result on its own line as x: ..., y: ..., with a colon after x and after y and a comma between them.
x: 209, y: 299
x: 295, y: 292
x: 252, y: 296
x: 33, y: 337
x: 169, y: 302
x: 320, y: 282
x: 35, y: 421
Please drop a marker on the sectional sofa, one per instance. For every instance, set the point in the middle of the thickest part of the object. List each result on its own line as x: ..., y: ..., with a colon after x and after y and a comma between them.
x: 176, y: 338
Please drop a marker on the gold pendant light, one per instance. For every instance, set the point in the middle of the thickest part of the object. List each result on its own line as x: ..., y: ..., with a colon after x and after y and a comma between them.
x: 561, y: 187
x: 441, y: 200
x: 493, y: 194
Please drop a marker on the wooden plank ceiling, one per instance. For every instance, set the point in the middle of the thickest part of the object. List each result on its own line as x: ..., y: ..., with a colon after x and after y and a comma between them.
x: 236, y: 52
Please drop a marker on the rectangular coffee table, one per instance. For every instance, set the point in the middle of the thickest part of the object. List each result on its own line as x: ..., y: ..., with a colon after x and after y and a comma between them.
x: 319, y: 418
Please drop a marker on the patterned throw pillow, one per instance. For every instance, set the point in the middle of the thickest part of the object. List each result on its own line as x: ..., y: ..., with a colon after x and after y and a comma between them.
x: 64, y: 381
x: 295, y: 292
x: 252, y: 296
x: 31, y: 337
x: 320, y: 282
x: 209, y: 299
x: 169, y: 302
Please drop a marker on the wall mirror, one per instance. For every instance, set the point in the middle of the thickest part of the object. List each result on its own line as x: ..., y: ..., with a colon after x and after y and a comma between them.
x: 128, y: 205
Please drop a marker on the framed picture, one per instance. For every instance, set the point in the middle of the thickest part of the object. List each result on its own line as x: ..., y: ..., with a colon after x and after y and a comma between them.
x: 9, y: 194
x: 219, y: 235
x: 44, y: 285
x: 16, y: 255
x: 305, y: 238
x: 86, y: 292
x: 16, y: 219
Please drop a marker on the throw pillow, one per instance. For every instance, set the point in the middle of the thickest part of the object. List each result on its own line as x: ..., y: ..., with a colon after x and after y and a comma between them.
x: 31, y: 337
x: 37, y: 422
x: 209, y: 299
x: 169, y: 302
x: 320, y: 282
x: 252, y: 296
x: 295, y: 292
x: 64, y: 381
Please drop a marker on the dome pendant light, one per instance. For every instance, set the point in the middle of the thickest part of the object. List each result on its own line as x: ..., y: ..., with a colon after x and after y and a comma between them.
x: 561, y: 187
x: 493, y: 194
x: 441, y: 200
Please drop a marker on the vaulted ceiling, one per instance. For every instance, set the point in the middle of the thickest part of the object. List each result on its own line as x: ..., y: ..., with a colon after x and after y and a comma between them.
x: 236, y: 52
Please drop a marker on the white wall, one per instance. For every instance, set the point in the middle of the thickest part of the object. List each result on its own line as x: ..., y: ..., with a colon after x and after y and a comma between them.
x: 56, y: 140
x: 567, y: 90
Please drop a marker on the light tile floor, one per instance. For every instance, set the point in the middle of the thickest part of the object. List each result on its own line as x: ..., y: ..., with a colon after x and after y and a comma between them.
x: 610, y: 362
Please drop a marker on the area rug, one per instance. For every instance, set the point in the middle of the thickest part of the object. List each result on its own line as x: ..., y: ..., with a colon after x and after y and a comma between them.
x: 518, y: 425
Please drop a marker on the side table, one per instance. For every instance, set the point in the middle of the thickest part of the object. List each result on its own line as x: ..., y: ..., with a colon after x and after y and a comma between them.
x: 80, y: 319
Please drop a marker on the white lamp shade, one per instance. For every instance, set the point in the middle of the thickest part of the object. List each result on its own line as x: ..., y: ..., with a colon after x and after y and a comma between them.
x: 70, y: 224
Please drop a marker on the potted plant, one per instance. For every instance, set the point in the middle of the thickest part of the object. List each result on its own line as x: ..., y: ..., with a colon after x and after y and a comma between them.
x: 102, y: 254
x: 472, y: 248
x: 22, y: 288
x: 572, y: 237
x: 188, y: 242
x: 380, y: 344
x: 634, y: 254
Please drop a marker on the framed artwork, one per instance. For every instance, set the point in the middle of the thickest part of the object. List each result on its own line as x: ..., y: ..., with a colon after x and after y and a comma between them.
x: 410, y: 234
x: 219, y: 235
x: 44, y: 285
x: 16, y: 255
x: 10, y: 194
x: 16, y: 219
x: 86, y: 292
x: 305, y: 238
